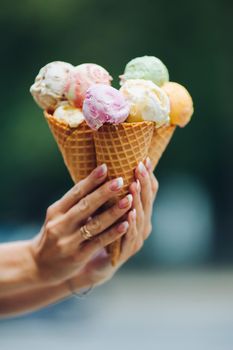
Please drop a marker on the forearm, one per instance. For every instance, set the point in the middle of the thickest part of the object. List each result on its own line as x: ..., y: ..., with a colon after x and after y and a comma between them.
x: 18, y: 270
x: 32, y: 300
x: 37, y: 298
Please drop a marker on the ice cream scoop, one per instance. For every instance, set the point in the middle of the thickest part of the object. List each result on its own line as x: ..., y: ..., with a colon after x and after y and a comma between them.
x: 147, y: 102
x: 147, y: 68
x: 181, y: 103
x: 84, y: 76
x: 49, y: 86
x: 69, y: 115
x: 104, y: 104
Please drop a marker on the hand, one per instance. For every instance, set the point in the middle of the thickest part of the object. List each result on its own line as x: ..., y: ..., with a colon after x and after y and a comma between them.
x: 99, y: 269
x: 61, y: 250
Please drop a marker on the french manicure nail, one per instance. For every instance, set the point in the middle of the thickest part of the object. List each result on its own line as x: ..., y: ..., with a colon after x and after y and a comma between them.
x: 142, y: 169
x: 148, y: 164
x: 116, y: 184
x: 123, y: 203
x: 123, y: 227
x: 101, y: 170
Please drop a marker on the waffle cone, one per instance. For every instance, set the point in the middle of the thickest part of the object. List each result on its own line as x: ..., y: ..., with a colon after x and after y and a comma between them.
x: 160, y: 139
x: 122, y: 147
x: 76, y: 145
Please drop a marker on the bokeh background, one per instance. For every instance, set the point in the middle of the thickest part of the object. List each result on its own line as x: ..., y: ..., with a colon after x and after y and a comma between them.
x: 177, y: 292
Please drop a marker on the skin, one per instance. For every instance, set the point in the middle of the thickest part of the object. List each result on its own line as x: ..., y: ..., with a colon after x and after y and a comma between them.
x: 144, y: 191
x: 59, y: 261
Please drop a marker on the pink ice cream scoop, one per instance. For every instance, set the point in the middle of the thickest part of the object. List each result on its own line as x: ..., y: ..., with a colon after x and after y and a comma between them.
x: 104, y: 104
x: 82, y: 77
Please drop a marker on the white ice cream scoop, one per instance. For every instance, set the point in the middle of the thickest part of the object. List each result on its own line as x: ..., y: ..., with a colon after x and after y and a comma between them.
x: 49, y: 86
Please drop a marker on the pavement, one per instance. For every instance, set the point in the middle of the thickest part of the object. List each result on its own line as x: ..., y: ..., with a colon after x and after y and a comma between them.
x: 136, y: 310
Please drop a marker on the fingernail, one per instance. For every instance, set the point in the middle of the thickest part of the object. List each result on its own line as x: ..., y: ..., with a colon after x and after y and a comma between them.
x: 134, y: 214
x: 116, y: 184
x: 138, y: 185
x: 148, y: 164
x: 142, y: 169
x: 123, y: 227
x: 101, y: 170
x: 123, y: 203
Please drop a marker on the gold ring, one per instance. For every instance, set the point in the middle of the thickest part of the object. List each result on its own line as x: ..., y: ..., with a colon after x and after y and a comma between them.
x: 85, y: 233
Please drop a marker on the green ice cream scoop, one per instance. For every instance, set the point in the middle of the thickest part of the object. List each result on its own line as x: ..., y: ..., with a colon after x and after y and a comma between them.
x: 147, y: 68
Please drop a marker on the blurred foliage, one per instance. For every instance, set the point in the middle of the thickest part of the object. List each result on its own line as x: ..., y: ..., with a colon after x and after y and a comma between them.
x: 194, y: 39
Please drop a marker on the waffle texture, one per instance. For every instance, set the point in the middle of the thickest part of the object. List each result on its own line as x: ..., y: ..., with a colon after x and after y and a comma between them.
x: 76, y: 145
x: 122, y: 147
x: 160, y: 139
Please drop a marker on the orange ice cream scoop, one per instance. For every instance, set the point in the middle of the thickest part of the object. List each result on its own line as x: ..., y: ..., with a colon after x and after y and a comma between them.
x: 181, y: 103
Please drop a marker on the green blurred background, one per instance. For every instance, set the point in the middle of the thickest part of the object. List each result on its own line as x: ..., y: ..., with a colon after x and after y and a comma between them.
x: 177, y: 292
x: 195, y: 42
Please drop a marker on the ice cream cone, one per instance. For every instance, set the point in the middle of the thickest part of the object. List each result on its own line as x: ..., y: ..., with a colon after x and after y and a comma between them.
x: 76, y: 145
x: 122, y: 147
x: 160, y: 139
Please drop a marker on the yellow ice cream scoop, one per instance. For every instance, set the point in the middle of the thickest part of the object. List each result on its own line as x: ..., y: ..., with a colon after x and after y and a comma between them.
x: 181, y: 103
x: 147, y: 101
x: 69, y: 115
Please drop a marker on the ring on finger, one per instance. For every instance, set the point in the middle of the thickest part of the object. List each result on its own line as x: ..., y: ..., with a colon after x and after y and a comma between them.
x: 85, y: 233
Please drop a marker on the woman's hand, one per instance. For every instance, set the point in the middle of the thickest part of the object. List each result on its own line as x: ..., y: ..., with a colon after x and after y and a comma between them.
x: 99, y: 268
x: 61, y: 250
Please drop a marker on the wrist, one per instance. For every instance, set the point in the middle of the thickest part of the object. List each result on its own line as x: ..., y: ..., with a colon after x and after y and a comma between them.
x: 78, y: 291
x: 78, y: 284
x: 31, y: 268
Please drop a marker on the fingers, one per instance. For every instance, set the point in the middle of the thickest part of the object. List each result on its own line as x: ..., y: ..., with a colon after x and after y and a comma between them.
x: 154, y: 181
x: 154, y: 188
x: 81, y: 189
x: 149, y: 188
x: 93, y: 201
x: 135, y: 189
x: 146, y: 191
x: 92, y: 247
x: 103, y: 221
x: 130, y: 242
